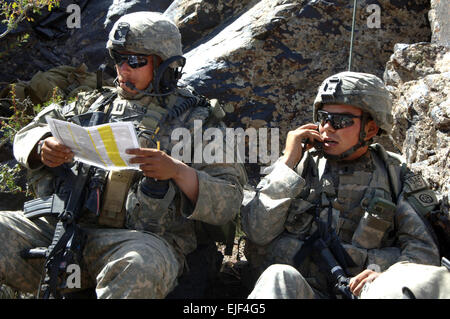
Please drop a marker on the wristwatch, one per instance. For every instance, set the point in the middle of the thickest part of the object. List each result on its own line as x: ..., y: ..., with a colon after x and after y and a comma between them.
x: 39, y: 148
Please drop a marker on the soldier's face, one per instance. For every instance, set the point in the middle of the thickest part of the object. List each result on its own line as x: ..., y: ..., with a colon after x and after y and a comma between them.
x: 337, y: 141
x: 140, y: 77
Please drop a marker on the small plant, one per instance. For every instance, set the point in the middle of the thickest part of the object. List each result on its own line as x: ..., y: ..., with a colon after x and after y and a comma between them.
x: 17, y: 11
x: 8, y: 179
x: 21, y: 40
x: 10, y: 126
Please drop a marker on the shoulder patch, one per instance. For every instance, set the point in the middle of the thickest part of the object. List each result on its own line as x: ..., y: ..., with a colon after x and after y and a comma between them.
x: 418, y: 194
x: 423, y: 201
x: 415, y: 183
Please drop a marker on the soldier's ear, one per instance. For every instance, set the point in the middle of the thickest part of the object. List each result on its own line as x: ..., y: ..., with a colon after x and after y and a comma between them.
x: 371, y: 129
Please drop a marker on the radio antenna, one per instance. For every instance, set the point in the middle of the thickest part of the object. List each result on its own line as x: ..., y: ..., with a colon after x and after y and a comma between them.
x: 351, y: 39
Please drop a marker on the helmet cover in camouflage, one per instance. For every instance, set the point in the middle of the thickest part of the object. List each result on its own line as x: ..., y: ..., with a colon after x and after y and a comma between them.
x: 146, y: 33
x: 362, y: 90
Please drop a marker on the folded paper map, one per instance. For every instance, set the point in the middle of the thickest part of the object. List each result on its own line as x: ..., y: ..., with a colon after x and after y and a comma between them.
x: 102, y: 145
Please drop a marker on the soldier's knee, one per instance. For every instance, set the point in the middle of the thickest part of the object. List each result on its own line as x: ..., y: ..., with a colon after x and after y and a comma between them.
x: 6, y: 217
x: 133, y: 260
x: 140, y: 272
x: 7, y: 221
x: 283, y: 271
x: 146, y: 259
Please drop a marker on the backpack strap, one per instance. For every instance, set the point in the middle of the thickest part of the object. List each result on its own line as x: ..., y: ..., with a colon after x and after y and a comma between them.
x: 415, y: 189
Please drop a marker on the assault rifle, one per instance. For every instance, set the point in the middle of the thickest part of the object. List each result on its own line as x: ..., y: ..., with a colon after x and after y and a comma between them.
x: 325, y: 247
x: 338, y: 274
x: 80, y: 194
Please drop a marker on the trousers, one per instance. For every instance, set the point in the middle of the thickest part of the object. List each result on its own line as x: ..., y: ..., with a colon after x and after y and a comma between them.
x: 117, y: 263
x: 280, y: 281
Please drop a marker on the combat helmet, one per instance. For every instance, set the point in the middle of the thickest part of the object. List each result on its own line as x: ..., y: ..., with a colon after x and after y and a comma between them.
x: 150, y: 33
x: 362, y: 90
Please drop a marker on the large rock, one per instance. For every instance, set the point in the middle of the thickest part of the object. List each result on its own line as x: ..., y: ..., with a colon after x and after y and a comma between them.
x: 440, y: 22
x: 419, y: 77
x: 269, y: 59
x: 198, y: 18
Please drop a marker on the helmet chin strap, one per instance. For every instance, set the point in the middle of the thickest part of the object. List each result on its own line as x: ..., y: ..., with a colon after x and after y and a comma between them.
x: 135, y: 96
x: 148, y: 91
x: 361, y: 142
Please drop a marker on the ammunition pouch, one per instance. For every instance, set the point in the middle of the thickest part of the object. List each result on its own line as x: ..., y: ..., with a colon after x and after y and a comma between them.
x: 113, y: 211
x: 378, y: 219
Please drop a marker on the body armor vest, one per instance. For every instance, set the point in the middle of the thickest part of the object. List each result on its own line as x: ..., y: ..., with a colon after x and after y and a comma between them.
x: 359, y: 194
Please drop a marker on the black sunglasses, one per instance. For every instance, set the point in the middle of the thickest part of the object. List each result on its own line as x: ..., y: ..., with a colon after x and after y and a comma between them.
x: 337, y: 120
x: 133, y: 60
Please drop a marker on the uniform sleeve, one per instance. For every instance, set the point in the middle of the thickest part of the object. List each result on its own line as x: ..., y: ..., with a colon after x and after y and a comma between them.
x: 266, y: 214
x: 414, y: 242
x: 414, y: 239
x: 27, y: 138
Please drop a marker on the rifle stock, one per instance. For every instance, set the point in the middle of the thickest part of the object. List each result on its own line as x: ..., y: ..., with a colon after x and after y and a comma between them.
x: 335, y: 269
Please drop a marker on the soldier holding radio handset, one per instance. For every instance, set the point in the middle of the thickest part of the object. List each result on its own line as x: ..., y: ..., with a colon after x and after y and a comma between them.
x: 338, y: 215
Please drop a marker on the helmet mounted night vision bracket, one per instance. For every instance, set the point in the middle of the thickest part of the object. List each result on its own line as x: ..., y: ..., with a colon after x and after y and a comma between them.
x: 120, y: 36
x: 330, y: 89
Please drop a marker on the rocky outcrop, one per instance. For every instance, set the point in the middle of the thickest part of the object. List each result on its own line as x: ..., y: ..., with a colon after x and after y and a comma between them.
x: 440, y: 22
x: 418, y: 75
x: 419, y: 78
x: 198, y: 18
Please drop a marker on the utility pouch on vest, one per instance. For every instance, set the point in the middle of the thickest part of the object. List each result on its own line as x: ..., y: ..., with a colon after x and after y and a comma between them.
x: 301, y: 213
x: 372, y: 227
x: 114, y: 197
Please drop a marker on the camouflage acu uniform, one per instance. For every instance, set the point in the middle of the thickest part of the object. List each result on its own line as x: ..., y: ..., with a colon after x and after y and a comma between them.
x: 144, y: 260
x: 142, y: 256
x: 280, y: 218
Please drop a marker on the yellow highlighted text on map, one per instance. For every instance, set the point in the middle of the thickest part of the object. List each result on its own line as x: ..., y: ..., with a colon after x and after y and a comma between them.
x: 109, y: 141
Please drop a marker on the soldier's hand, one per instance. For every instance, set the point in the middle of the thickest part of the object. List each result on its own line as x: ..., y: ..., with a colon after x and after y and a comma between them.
x: 293, y: 151
x: 154, y: 163
x: 357, y: 283
x: 54, y: 154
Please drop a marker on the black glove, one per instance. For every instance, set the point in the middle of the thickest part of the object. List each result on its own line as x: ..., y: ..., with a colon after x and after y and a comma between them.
x: 154, y: 188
